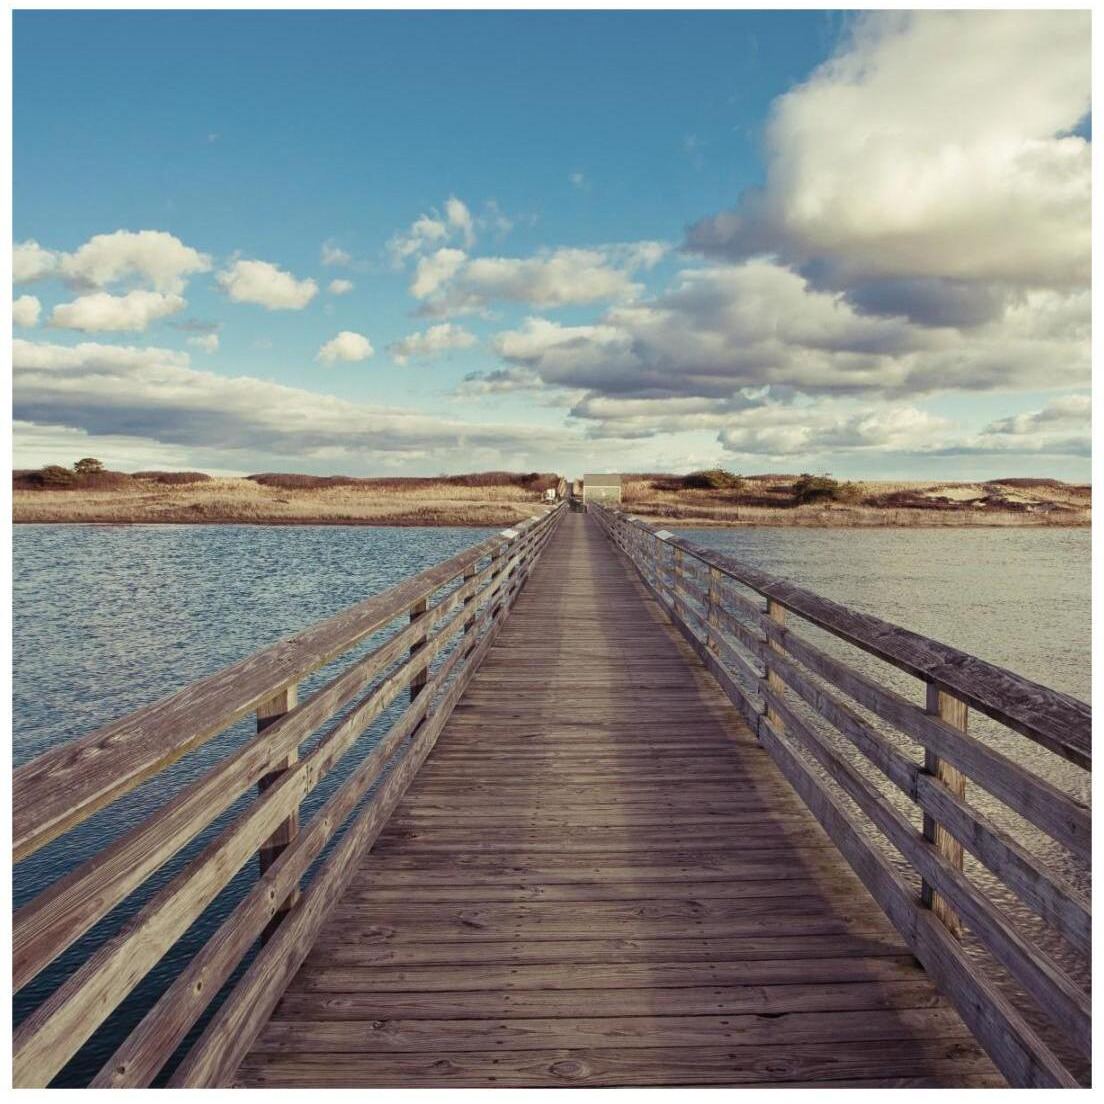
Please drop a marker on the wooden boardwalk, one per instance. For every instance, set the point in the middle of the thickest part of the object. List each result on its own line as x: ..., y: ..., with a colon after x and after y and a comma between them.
x: 598, y: 877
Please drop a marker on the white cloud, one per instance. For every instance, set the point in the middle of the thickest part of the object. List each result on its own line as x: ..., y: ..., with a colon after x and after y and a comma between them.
x: 33, y: 446
x: 430, y: 342
x: 209, y: 343
x: 722, y: 329
x: 347, y: 346
x: 102, y: 311
x: 340, y: 287
x: 25, y: 311
x: 781, y: 431
x: 267, y: 285
x: 155, y: 394
x: 460, y: 220
x: 158, y: 257
x: 450, y: 283
x: 426, y: 232
x: 1063, y: 427
x: 434, y: 270
x: 934, y: 147
x: 579, y: 180
x: 333, y: 254
x: 31, y: 262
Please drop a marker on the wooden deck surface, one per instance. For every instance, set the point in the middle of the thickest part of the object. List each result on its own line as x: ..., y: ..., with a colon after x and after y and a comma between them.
x: 599, y: 878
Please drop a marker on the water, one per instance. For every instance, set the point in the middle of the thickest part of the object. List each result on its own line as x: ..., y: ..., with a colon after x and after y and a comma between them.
x: 1019, y: 598
x: 107, y: 619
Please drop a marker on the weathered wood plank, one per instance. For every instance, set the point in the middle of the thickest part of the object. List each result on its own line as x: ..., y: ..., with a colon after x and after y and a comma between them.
x: 885, y: 1063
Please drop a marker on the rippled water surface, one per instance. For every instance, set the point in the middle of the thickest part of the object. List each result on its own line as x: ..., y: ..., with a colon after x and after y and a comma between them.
x: 1015, y: 597
x: 107, y: 619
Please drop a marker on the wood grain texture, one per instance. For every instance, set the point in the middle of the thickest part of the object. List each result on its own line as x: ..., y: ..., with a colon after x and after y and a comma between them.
x: 599, y: 877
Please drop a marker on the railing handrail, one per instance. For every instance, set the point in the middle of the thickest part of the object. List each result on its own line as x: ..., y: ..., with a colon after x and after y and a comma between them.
x: 795, y: 698
x: 454, y: 625
x: 68, y: 783
x: 1055, y: 720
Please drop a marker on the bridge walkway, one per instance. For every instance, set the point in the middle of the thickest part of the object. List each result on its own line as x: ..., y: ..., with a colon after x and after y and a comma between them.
x: 598, y: 877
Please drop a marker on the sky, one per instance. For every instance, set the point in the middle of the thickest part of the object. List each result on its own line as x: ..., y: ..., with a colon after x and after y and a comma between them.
x: 414, y: 243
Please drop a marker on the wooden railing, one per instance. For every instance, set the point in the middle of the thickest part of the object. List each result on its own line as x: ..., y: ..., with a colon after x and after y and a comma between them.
x: 449, y: 614
x: 865, y: 784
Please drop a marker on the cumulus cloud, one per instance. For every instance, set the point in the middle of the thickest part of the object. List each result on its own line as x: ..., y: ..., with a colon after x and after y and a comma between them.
x: 498, y: 382
x: 155, y: 394
x: 432, y: 230
x: 209, y: 343
x: 340, y: 287
x: 153, y: 255
x: 347, y: 346
x: 902, y: 181
x: 25, y: 311
x: 31, y: 262
x: 430, y: 342
x: 266, y: 285
x: 784, y: 431
x: 1063, y: 427
x: 102, y: 311
x: 758, y: 324
x: 449, y: 282
x: 460, y: 220
x: 435, y: 270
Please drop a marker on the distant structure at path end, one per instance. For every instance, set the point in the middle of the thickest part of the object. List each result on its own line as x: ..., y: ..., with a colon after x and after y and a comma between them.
x: 601, y: 488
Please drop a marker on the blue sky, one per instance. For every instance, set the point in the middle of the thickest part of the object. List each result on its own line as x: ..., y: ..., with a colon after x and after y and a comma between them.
x: 635, y: 241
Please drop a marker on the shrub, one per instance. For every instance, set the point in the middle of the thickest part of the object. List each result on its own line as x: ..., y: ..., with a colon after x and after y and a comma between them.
x: 822, y: 488
x: 54, y: 475
x: 88, y: 466
x: 103, y: 480
x: 290, y: 481
x: 714, y: 479
x: 173, y: 476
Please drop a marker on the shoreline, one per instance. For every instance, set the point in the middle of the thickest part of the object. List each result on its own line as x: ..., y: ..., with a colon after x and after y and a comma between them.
x: 923, y: 520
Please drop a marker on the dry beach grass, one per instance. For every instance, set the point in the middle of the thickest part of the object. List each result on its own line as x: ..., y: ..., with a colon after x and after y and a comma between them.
x: 500, y: 498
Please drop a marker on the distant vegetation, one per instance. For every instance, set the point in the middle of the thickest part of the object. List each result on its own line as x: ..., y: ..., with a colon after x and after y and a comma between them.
x: 713, y: 479
x: 492, y: 499
x: 718, y: 497
x: 823, y: 488
x: 536, y: 482
x: 170, y: 478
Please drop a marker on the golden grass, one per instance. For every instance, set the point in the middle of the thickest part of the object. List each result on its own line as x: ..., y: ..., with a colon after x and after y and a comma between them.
x: 242, y: 500
x: 762, y: 502
x: 766, y: 502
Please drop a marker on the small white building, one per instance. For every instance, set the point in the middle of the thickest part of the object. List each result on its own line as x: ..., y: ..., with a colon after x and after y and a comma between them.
x: 601, y: 488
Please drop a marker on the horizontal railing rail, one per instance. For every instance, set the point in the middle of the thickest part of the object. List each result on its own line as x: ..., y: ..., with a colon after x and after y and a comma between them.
x: 441, y: 624
x: 824, y: 722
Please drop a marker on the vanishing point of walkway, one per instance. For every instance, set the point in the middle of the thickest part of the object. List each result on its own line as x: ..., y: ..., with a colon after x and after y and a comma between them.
x: 599, y: 878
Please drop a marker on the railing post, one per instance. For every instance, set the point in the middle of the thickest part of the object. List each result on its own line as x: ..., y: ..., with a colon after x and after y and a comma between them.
x: 954, y: 712
x: 712, y: 617
x: 677, y: 603
x: 268, y: 712
x: 418, y: 681
x: 469, y: 623
x: 777, y: 614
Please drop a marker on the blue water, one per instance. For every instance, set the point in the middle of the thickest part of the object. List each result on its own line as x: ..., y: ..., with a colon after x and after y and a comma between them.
x: 107, y: 619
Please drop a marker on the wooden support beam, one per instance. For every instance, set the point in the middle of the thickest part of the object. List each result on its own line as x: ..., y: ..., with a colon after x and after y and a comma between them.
x: 954, y: 712
x: 268, y: 713
x: 418, y: 681
x: 777, y: 613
